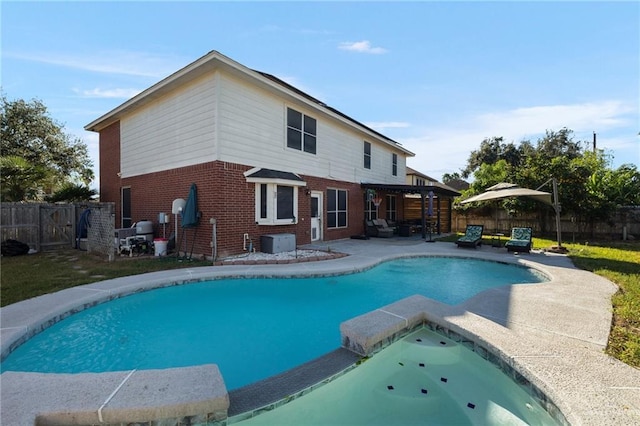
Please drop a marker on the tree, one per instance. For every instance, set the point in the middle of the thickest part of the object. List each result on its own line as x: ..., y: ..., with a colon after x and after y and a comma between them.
x: 72, y: 193
x: 42, y: 157
x: 624, y: 185
x: 493, y: 150
x: 450, y: 177
x: 17, y: 178
x: 588, y: 189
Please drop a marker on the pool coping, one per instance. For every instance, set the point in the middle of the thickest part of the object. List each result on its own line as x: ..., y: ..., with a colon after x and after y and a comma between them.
x: 553, y: 333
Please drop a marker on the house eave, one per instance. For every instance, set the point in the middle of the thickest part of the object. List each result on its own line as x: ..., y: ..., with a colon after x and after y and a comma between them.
x: 213, y: 61
x: 437, y: 188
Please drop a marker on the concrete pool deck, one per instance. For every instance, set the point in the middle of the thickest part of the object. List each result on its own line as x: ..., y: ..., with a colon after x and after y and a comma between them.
x: 553, y: 333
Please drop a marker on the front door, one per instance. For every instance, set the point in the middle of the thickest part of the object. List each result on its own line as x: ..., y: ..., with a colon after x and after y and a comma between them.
x: 316, y: 216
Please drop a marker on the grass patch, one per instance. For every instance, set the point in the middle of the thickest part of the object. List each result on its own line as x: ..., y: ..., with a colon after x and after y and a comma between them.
x: 24, y: 277
x: 619, y: 262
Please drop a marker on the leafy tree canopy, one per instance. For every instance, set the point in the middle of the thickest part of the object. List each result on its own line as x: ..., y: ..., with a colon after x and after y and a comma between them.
x: 40, y: 157
x: 588, y: 189
x: 72, y: 193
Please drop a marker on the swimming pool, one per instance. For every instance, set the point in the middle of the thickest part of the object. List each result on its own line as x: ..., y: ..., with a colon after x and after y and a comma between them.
x: 424, y: 378
x: 252, y: 328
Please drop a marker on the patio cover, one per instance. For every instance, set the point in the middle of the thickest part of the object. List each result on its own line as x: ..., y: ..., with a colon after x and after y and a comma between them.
x: 435, y: 188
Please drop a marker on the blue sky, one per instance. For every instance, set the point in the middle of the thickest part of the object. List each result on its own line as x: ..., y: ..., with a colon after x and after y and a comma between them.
x: 438, y: 77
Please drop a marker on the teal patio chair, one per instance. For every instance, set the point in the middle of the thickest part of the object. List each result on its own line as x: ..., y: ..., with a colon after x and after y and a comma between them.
x: 472, y: 236
x: 520, y: 240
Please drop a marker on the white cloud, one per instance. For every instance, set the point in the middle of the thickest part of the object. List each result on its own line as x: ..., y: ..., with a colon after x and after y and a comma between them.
x: 363, y: 46
x: 108, y: 93
x: 534, y: 120
x: 121, y: 62
x: 446, y: 148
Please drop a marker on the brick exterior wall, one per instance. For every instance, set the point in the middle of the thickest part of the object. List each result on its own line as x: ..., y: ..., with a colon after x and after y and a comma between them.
x: 110, y: 167
x: 223, y: 194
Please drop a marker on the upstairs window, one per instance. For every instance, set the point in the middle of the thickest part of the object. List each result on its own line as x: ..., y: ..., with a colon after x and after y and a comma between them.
x: 301, y: 131
x: 394, y: 164
x: 367, y: 155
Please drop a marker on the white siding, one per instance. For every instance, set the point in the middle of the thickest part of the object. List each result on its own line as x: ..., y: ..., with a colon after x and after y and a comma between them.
x: 252, y: 129
x: 220, y: 117
x: 174, y: 131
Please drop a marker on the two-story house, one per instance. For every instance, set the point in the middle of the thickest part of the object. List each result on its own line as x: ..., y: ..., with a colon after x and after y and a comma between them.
x: 266, y: 158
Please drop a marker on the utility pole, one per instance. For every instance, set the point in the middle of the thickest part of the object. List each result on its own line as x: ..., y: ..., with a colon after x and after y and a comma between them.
x: 594, y: 142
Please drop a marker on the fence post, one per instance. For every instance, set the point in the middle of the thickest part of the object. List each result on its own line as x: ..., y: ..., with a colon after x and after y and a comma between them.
x: 74, y: 223
x: 39, y: 228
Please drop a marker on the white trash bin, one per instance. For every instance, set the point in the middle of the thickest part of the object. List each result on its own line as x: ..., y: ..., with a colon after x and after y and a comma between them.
x: 160, y: 246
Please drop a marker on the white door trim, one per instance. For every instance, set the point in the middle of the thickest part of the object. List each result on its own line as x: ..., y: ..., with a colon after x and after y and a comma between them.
x: 316, y: 222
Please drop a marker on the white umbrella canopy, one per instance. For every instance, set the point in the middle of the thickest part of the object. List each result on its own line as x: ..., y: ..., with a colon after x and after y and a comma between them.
x: 509, y: 190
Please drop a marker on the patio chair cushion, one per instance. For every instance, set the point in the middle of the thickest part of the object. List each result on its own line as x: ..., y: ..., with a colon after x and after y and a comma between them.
x: 376, y: 230
x: 520, y: 240
x: 472, y: 236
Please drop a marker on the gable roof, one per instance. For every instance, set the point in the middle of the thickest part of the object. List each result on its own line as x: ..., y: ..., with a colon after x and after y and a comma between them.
x: 216, y: 61
x: 272, y: 174
x: 411, y: 171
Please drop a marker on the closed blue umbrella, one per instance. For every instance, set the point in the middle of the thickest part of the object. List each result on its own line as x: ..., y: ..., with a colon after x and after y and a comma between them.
x: 190, y: 212
x: 430, y: 214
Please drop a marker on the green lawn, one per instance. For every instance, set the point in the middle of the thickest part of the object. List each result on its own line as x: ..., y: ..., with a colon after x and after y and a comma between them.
x: 24, y: 277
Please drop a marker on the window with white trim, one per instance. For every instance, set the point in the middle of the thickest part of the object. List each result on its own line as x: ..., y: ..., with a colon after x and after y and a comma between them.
x: 276, y: 204
x: 391, y: 207
x: 370, y: 210
x: 394, y: 164
x: 336, y: 208
x: 276, y: 196
x: 367, y: 155
x: 301, y: 131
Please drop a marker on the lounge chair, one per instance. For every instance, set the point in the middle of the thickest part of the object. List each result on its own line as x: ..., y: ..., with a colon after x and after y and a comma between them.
x: 472, y: 236
x: 520, y: 240
x: 383, y: 224
x: 374, y: 230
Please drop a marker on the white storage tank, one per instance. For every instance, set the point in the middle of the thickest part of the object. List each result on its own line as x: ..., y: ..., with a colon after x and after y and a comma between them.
x: 144, y: 228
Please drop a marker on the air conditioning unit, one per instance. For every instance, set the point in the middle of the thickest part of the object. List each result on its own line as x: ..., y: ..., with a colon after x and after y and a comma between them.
x: 277, y: 243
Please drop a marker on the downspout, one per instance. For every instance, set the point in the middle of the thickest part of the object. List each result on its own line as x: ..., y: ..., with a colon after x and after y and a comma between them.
x: 214, y: 239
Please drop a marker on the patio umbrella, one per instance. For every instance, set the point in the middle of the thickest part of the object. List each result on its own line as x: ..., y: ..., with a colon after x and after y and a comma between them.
x: 190, y: 212
x: 430, y: 214
x: 509, y: 190
x: 430, y: 208
x: 190, y: 216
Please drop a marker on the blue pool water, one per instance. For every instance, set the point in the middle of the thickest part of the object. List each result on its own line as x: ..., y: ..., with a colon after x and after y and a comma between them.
x: 422, y: 379
x: 252, y: 328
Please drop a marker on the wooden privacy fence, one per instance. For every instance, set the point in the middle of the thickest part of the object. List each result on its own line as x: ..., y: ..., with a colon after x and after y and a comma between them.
x: 51, y: 226
x: 625, y: 224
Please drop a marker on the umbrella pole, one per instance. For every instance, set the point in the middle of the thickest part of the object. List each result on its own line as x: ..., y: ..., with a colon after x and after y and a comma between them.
x: 556, y: 207
x: 193, y: 243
